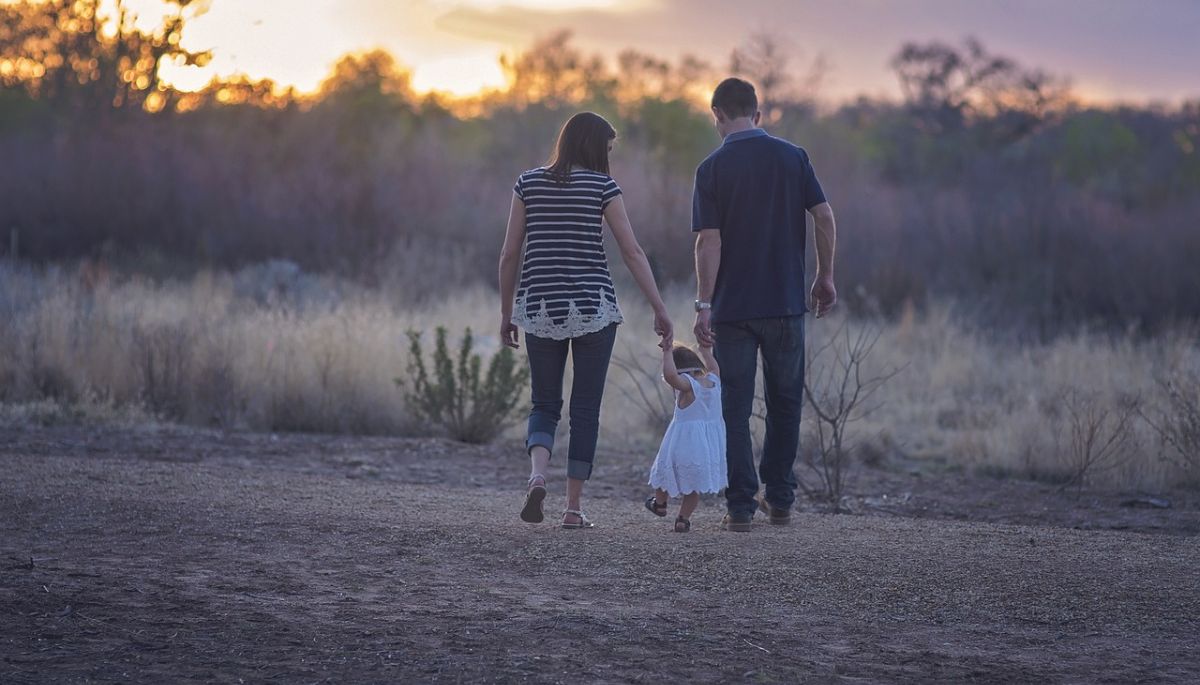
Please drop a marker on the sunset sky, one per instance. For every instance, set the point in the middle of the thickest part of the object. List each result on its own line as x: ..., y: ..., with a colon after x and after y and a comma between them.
x: 1111, y: 49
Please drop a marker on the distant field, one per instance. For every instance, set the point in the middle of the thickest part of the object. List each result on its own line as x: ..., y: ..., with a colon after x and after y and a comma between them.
x: 273, y: 349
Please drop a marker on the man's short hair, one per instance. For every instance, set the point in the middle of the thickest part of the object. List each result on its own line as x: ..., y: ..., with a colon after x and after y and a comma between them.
x: 735, y: 98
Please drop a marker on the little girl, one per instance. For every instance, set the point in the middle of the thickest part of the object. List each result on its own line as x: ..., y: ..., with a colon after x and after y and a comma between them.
x: 691, y: 459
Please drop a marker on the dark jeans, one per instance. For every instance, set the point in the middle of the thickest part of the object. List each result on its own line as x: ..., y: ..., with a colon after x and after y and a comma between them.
x: 781, y: 342
x: 547, y: 362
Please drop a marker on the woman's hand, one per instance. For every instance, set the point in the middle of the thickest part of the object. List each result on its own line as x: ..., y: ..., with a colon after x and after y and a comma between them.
x: 508, y: 333
x: 663, y: 327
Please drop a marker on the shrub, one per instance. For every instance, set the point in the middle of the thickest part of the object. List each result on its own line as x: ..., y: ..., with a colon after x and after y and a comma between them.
x: 645, y: 390
x: 839, y: 391
x: 469, y: 406
x: 164, y: 353
x: 1178, y: 422
x: 1096, y: 434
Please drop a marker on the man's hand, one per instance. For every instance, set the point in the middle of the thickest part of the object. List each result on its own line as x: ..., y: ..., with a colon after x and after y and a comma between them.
x: 703, y: 328
x: 508, y: 333
x: 824, y: 295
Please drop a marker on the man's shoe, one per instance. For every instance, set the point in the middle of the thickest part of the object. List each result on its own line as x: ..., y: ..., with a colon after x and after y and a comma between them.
x: 737, y: 523
x: 777, y: 517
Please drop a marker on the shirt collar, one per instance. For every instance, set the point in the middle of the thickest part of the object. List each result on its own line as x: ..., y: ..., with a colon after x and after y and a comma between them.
x: 744, y: 135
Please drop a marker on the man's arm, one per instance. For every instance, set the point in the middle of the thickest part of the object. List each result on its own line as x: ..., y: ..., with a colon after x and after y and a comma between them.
x: 824, y: 294
x: 708, y: 262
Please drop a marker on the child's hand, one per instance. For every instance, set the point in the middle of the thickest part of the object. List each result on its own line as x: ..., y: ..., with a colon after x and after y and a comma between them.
x: 664, y: 344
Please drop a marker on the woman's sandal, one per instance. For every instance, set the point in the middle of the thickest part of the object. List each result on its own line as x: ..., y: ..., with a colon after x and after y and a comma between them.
x: 532, y: 511
x: 583, y: 520
x: 654, y: 507
x: 682, y: 525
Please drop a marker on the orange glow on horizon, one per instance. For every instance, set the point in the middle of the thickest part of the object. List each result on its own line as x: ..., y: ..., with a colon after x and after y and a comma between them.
x: 452, y: 48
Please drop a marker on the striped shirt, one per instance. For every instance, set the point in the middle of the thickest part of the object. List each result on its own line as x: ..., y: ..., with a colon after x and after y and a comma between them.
x: 565, y: 289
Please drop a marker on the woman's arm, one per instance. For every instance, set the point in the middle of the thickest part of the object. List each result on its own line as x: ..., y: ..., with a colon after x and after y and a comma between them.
x: 510, y: 258
x: 710, y: 361
x: 670, y: 373
x: 639, y: 266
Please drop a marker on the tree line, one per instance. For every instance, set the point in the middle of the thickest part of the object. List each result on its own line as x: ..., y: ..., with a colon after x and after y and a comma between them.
x: 989, y: 184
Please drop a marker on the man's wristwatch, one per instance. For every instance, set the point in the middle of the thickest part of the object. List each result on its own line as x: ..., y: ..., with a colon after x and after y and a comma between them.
x: 701, y: 306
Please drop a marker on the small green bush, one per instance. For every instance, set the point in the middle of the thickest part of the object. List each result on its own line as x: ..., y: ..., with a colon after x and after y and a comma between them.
x: 456, y: 396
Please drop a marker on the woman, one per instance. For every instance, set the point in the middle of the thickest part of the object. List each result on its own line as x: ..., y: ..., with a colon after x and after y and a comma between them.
x: 565, y: 298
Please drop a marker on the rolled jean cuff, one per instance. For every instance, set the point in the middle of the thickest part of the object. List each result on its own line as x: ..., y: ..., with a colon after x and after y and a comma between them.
x: 581, y: 470
x: 540, y: 440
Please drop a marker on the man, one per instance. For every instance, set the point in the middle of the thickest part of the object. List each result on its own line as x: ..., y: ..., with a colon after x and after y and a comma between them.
x: 748, y: 211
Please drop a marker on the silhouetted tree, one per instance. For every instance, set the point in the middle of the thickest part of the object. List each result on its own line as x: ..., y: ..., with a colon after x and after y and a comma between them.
x: 946, y: 85
x: 367, y: 77
x: 238, y: 90
x: 552, y: 72
x: 765, y: 60
x: 82, y: 56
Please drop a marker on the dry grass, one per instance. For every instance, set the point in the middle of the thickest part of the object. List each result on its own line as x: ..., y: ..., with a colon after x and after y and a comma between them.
x: 273, y: 349
x: 263, y: 352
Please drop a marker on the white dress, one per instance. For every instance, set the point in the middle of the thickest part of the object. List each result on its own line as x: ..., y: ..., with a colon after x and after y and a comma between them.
x: 692, y: 455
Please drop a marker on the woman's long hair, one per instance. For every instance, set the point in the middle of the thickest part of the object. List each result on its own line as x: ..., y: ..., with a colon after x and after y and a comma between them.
x: 582, y: 142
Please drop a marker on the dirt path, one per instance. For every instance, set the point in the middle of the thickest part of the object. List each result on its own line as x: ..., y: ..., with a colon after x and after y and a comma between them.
x: 211, y: 561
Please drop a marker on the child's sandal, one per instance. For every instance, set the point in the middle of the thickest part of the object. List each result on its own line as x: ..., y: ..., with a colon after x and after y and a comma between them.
x: 654, y: 507
x: 682, y: 525
x: 583, y: 520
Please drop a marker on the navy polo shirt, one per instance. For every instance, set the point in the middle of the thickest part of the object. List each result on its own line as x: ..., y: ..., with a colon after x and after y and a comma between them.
x: 756, y: 189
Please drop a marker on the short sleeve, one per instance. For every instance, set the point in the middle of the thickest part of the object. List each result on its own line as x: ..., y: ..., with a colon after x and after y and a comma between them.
x: 813, y: 193
x: 704, y: 201
x: 610, y: 193
x: 519, y: 187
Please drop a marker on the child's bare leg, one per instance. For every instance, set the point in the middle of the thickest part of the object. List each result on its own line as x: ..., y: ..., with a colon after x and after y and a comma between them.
x: 686, y: 508
x: 661, y: 497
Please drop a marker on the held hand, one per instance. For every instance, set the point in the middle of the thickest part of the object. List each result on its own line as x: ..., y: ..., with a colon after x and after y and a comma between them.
x: 508, y: 333
x: 663, y: 327
x: 703, y: 328
x: 824, y: 295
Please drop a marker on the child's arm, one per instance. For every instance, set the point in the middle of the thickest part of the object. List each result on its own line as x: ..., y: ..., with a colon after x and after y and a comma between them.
x: 670, y: 373
x: 710, y: 361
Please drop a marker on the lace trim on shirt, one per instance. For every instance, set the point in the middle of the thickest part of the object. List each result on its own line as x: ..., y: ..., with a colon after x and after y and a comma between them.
x: 575, y: 324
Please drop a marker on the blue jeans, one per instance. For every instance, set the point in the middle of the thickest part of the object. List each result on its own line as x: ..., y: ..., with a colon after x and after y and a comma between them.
x: 547, y: 362
x: 781, y: 341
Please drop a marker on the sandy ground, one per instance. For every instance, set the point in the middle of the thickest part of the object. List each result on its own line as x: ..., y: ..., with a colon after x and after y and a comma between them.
x: 173, y: 555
